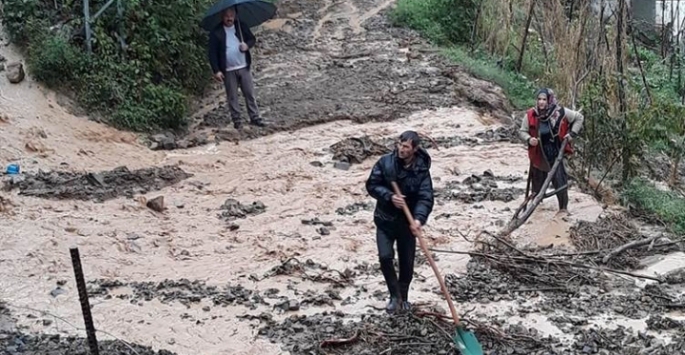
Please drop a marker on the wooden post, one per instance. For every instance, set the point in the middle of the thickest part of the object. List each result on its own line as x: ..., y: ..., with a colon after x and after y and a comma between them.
x: 86, y: 17
x: 83, y: 297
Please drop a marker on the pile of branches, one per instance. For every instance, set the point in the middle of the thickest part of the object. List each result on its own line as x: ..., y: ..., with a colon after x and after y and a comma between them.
x: 612, y: 245
x: 418, y: 333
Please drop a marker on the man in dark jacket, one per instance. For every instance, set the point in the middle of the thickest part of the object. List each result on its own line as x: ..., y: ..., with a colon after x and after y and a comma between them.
x: 409, y: 166
x: 230, y: 58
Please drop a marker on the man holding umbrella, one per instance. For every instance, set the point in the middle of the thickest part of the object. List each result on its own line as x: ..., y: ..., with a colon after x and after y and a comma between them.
x: 230, y: 40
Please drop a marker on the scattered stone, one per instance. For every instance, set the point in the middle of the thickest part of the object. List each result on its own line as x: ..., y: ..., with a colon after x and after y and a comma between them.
x: 183, y: 291
x: 478, y: 188
x: 657, y: 323
x: 355, y: 150
x: 156, y: 204
x: 355, y: 207
x: 341, y: 165
x: 60, y: 185
x: 500, y: 134
x: 233, y: 209
x: 165, y: 141
x: 15, y: 72
x: 14, y: 343
x: 57, y: 291
x: 316, y: 221
x: 169, y: 141
x: 374, y: 334
x: 317, y: 164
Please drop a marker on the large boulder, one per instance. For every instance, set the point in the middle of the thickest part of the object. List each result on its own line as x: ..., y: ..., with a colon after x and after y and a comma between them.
x: 15, y: 72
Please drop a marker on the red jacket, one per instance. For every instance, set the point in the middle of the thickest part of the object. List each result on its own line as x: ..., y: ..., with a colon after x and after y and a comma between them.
x: 535, y: 154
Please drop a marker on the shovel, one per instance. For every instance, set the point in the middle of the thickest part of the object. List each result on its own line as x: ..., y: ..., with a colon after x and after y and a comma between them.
x: 466, y: 341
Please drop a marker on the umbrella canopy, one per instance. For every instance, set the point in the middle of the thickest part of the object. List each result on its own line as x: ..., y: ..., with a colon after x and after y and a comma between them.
x: 250, y: 12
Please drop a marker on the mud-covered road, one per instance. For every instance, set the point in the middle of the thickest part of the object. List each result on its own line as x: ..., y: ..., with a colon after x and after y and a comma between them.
x: 266, y: 245
x: 321, y: 61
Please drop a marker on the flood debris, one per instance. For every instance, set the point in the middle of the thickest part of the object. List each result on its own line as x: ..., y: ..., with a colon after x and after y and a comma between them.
x: 500, y: 134
x: 294, y: 267
x: 479, y: 188
x: 183, y: 291
x: 615, y: 241
x: 355, y: 150
x: 353, y: 208
x: 336, y: 333
x: 233, y: 209
x: 169, y: 141
x: 622, y: 340
x: 15, y: 343
x: 100, y: 186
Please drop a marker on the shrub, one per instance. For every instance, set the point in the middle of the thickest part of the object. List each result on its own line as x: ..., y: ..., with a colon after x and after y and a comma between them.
x: 442, y: 21
x: 145, y: 66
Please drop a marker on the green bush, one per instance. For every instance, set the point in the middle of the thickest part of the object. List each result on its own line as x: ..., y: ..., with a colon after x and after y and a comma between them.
x: 55, y: 61
x: 143, y: 84
x: 666, y: 206
x: 442, y: 21
x: 518, y: 89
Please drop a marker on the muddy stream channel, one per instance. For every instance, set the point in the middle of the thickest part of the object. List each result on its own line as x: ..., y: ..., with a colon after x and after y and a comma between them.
x: 262, y: 242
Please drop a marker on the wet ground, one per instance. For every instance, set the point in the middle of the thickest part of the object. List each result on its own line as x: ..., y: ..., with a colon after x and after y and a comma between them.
x: 266, y: 245
x: 322, y: 61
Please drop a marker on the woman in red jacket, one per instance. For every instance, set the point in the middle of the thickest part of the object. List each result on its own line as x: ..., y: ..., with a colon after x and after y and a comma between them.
x: 543, y: 129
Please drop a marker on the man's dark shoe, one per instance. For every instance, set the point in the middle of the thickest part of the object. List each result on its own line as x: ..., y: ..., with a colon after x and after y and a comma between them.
x: 258, y: 122
x: 406, y: 306
x: 237, y: 125
x: 393, y: 305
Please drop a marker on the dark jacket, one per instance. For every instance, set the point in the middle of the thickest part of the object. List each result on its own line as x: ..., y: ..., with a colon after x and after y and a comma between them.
x: 217, y: 46
x: 415, y: 184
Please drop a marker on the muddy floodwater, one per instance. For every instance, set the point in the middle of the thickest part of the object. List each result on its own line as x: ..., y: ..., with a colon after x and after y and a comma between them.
x: 262, y: 242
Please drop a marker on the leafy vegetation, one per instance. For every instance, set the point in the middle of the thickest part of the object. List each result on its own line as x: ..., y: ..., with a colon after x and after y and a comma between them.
x: 572, y: 48
x: 450, y: 23
x: 148, y: 58
x: 665, y: 206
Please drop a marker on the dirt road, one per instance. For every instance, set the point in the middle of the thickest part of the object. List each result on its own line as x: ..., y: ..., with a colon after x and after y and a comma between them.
x: 255, y: 232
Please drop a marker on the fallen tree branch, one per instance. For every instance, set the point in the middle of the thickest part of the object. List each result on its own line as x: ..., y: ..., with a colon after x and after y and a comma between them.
x: 517, y: 221
x: 624, y: 247
x: 340, y: 341
x: 535, y: 259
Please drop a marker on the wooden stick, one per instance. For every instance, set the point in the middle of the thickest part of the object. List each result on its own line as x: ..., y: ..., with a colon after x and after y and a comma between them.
x: 429, y: 256
x: 516, y: 221
x: 624, y: 247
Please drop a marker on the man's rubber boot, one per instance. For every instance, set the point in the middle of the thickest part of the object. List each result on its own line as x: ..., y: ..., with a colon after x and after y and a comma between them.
x: 259, y: 122
x: 393, y: 305
x: 405, y: 306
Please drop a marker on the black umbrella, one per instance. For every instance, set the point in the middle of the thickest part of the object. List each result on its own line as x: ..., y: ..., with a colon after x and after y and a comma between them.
x: 250, y: 12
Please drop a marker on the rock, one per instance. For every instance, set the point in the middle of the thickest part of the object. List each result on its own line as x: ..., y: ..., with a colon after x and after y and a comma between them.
x: 166, y: 141
x: 156, y: 204
x: 57, y: 291
x: 293, y: 305
x: 15, y: 72
x: 342, y: 165
x: 317, y: 164
x: 234, y: 209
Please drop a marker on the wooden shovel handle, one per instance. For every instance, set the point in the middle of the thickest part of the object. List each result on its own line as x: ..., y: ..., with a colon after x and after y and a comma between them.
x: 429, y: 256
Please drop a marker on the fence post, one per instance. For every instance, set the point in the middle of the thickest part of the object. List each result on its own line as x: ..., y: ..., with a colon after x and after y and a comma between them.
x: 83, y: 297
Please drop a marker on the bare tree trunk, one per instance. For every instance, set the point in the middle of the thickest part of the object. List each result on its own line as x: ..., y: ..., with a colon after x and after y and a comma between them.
x: 519, y: 63
x: 626, y: 149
